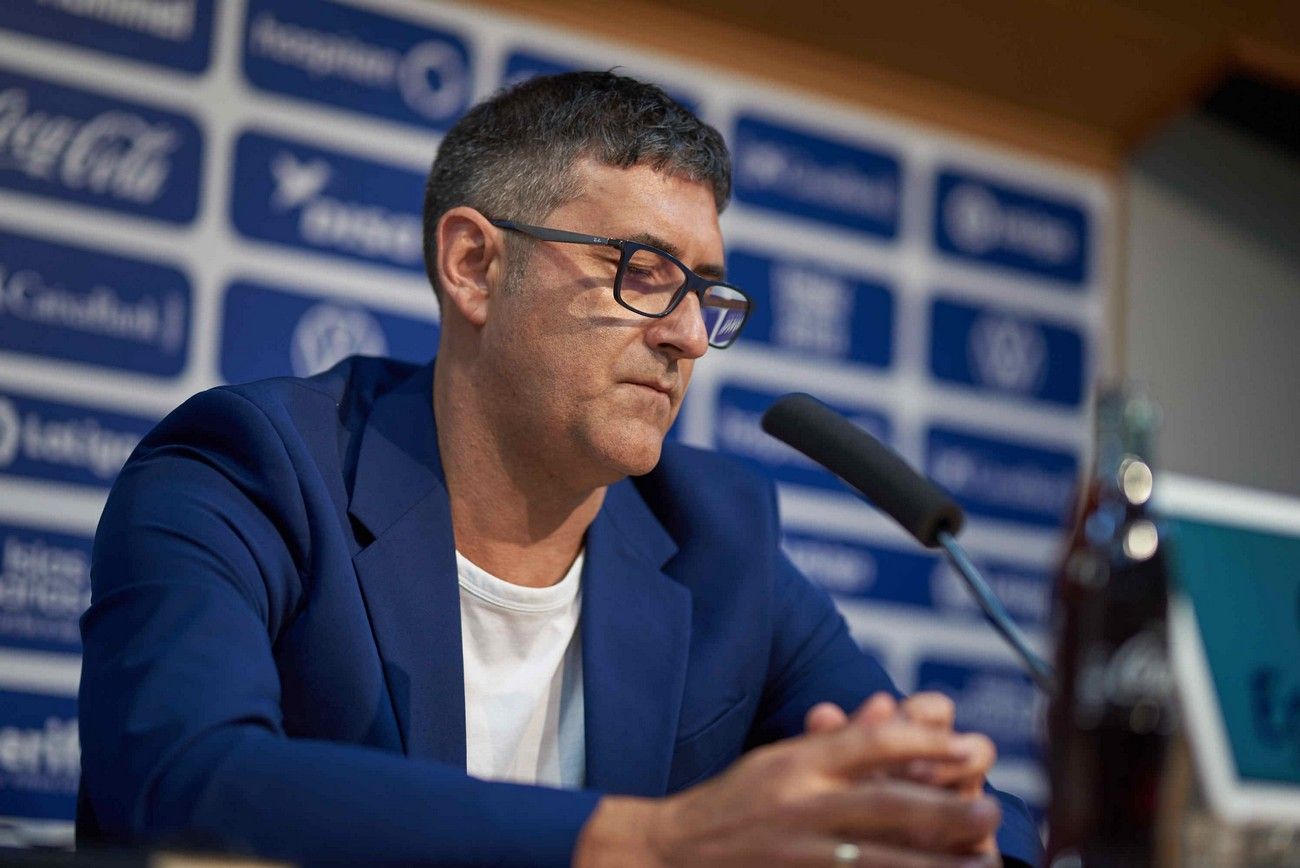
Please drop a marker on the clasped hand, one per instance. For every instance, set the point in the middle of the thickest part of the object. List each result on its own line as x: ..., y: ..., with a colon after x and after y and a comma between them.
x: 893, y: 780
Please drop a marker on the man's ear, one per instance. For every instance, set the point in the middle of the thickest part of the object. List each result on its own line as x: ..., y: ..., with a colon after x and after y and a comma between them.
x: 471, y: 262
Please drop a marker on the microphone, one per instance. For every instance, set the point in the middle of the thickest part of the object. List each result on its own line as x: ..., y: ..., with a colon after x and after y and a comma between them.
x: 881, y: 476
x: 866, y: 464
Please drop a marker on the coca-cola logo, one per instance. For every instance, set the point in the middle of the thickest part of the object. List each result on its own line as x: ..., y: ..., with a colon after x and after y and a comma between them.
x: 1135, y: 676
x: 115, y: 153
x: 92, y: 149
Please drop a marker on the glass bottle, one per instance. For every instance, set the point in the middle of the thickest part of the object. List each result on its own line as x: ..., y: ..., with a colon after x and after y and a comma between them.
x: 1110, y: 725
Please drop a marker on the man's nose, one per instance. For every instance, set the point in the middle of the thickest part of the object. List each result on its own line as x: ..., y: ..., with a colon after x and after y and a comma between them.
x: 681, y: 334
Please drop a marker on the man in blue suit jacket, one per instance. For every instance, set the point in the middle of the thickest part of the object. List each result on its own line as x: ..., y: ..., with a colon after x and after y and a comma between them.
x: 276, y: 657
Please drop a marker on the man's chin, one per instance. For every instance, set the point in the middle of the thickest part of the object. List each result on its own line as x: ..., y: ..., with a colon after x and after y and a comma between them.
x: 632, y: 456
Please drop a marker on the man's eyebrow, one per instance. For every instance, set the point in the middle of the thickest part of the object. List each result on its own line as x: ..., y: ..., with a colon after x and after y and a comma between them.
x: 713, y: 271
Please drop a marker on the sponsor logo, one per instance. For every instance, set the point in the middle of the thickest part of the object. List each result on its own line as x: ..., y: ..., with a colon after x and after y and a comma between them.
x: 73, y: 145
x: 980, y: 219
x: 997, y: 701
x: 977, y: 222
x: 175, y: 33
x: 838, y: 567
x: 523, y: 64
x: 1136, y: 676
x: 40, y: 755
x: 44, y: 588
x: 813, y: 311
x: 1026, y: 594
x: 884, y: 573
x: 992, y: 350
x: 10, y: 432
x: 63, y: 443
x: 84, y: 306
x: 401, y: 70
x: 738, y: 431
x: 32, y: 756
x: 328, y: 334
x: 1007, y: 354
x: 1003, y: 479
x: 806, y: 175
x: 270, y: 331
x: 293, y: 194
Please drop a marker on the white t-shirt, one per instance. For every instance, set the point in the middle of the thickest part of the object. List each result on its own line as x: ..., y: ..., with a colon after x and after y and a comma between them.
x: 523, y: 678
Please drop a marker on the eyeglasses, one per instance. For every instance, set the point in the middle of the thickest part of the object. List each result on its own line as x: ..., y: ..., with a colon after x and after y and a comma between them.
x: 652, y: 282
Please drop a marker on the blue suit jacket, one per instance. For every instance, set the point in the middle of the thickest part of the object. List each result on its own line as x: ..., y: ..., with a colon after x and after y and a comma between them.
x: 273, y: 651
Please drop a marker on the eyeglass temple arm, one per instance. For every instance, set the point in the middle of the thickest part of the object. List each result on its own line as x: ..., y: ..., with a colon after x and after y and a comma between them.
x: 546, y: 234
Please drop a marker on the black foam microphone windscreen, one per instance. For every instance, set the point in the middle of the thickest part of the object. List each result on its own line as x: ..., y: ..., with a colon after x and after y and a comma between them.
x: 866, y: 464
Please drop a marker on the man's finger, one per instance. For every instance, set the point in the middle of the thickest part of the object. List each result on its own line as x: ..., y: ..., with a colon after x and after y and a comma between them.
x: 878, y: 708
x: 857, y: 750
x: 904, y: 814
x: 930, y: 708
x: 824, y: 717
x: 969, y: 775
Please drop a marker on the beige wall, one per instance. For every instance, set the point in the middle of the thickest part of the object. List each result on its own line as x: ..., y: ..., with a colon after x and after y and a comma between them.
x: 1213, y: 302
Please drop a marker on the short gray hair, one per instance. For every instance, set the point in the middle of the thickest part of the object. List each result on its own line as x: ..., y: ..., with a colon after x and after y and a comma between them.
x: 512, y: 156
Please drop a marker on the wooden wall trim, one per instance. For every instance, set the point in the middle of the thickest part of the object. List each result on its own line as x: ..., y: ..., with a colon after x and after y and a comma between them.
x: 855, y: 83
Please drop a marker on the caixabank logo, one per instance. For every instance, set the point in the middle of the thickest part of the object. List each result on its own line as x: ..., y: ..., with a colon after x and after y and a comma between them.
x: 57, y: 442
x: 172, y: 33
x: 982, y: 220
x: 738, y: 430
x: 522, y: 64
x: 993, y: 349
x: 805, y: 174
x: 1003, y: 478
x: 44, y: 588
x: 814, y: 311
x: 84, y: 147
x: 86, y: 306
x: 305, y: 197
x: 269, y: 331
x: 40, y: 756
x: 331, y: 53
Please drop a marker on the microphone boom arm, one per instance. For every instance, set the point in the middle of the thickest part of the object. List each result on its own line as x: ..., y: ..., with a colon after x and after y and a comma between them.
x: 997, y: 615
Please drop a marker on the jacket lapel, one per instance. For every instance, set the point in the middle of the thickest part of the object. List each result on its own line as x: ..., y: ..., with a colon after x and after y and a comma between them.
x: 408, y: 572
x: 635, y: 639
x: 635, y: 627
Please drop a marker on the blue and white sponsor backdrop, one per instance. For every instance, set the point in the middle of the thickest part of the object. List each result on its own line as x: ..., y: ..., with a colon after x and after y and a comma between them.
x: 200, y: 191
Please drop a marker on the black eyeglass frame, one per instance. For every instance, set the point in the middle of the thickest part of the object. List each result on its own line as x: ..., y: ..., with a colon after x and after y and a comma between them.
x: 693, y: 283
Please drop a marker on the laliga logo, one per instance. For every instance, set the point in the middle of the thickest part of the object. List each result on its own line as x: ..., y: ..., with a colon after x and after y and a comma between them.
x: 1007, y: 354
x: 327, y: 334
x: 9, y: 432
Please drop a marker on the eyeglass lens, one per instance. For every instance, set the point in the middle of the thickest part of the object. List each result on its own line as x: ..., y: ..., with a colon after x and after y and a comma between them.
x: 650, y: 281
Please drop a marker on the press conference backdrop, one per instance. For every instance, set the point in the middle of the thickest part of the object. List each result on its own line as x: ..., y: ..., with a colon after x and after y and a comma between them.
x: 203, y: 191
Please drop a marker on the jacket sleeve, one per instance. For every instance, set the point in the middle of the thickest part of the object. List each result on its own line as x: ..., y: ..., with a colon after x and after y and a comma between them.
x: 815, y: 659
x: 200, y: 558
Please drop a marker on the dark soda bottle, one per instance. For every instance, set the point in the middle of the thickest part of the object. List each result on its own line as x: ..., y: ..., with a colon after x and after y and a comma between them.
x: 1110, y: 725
